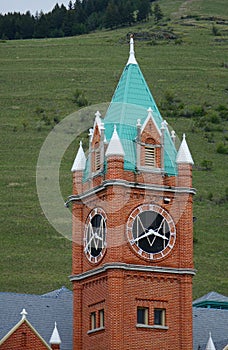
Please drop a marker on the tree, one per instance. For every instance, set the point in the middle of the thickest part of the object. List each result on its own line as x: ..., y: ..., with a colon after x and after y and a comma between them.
x: 144, y: 10
x: 112, y: 17
x: 158, y: 15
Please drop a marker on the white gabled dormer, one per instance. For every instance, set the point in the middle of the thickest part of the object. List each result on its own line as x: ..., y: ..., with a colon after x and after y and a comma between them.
x: 148, y: 119
x: 149, y: 144
x: 115, y: 147
x: 183, y: 155
x: 80, y: 160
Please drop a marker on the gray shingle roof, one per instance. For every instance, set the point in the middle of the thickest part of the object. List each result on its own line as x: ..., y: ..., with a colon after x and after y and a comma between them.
x: 56, y: 306
x: 210, y: 320
x: 212, y: 296
x: 43, y: 311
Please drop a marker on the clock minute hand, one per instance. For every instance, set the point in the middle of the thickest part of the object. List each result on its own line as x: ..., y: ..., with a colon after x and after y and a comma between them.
x: 146, y: 234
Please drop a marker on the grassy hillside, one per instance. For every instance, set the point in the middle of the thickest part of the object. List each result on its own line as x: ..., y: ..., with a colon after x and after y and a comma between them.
x: 186, y: 74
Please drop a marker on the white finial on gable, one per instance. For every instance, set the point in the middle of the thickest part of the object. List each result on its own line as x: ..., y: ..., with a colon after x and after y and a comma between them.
x: 164, y: 124
x: 132, y: 59
x: 55, y: 338
x: 24, y: 313
x: 97, y: 114
x: 173, y: 136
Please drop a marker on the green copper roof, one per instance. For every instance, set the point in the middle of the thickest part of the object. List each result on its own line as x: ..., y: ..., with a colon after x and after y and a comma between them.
x: 130, y: 102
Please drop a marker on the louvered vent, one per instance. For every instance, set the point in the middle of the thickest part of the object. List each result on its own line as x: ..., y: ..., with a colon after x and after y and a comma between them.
x: 149, y: 156
x: 97, y: 159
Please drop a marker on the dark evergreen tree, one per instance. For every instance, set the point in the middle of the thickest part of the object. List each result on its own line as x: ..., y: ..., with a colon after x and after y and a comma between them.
x: 112, y: 16
x: 144, y: 10
x: 158, y: 15
x: 41, y: 29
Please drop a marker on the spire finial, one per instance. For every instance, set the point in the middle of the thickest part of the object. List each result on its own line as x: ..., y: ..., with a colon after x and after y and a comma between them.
x: 132, y: 59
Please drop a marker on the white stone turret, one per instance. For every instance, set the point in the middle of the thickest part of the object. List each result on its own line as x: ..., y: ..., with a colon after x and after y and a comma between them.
x: 80, y: 160
x: 210, y: 343
x: 55, y: 337
x: 184, y: 155
x: 115, y: 147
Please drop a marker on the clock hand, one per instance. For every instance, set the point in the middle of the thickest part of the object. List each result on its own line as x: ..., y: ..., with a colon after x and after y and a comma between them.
x: 90, y: 240
x: 146, y: 234
x: 158, y: 229
x: 96, y: 235
x: 159, y: 235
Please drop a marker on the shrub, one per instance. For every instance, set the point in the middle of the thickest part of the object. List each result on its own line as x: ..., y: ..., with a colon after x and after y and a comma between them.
x: 207, y: 164
x: 80, y: 99
x: 222, y: 148
x: 215, y: 31
x: 213, y: 117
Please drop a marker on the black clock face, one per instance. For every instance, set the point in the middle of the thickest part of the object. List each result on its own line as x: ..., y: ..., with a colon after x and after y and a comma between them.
x: 95, y: 235
x: 151, y: 231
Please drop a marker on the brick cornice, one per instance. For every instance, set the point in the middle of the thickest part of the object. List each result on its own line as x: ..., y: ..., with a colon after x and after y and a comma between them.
x: 132, y: 267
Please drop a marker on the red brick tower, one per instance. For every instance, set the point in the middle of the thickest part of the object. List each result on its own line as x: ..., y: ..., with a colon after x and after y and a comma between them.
x: 132, y: 228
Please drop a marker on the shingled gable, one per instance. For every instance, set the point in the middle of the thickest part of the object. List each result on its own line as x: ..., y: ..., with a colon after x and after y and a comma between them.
x: 25, y: 335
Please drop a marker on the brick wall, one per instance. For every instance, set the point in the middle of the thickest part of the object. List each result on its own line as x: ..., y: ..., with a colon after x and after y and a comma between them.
x: 23, y: 338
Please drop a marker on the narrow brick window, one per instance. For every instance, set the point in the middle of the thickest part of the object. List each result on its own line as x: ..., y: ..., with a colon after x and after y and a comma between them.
x: 142, y: 315
x: 149, y: 156
x: 159, y: 317
x: 93, y: 320
x: 101, y: 318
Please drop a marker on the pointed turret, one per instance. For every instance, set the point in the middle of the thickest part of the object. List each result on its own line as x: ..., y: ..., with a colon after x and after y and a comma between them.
x: 55, y: 339
x: 115, y: 147
x: 184, y: 161
x: 210, y: 343
x: 80, y: 160
x: 115, y: 157
x: 184, y: 155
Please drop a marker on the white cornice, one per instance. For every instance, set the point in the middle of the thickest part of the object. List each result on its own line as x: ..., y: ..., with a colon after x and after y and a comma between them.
x: 132, y: 185
x: 132, y: 267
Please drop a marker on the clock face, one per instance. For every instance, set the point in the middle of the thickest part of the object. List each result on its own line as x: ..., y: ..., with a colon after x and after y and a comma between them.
x: 151, y: 231
x: 95, y: 235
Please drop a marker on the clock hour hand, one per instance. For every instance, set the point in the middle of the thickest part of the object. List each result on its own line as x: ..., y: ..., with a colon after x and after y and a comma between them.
x: 159, y: 235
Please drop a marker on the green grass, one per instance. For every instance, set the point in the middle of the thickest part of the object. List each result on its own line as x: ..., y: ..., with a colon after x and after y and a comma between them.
x: 38, y: 79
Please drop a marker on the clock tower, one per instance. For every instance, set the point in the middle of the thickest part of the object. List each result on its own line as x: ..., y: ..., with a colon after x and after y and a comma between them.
x: 132, y: 227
